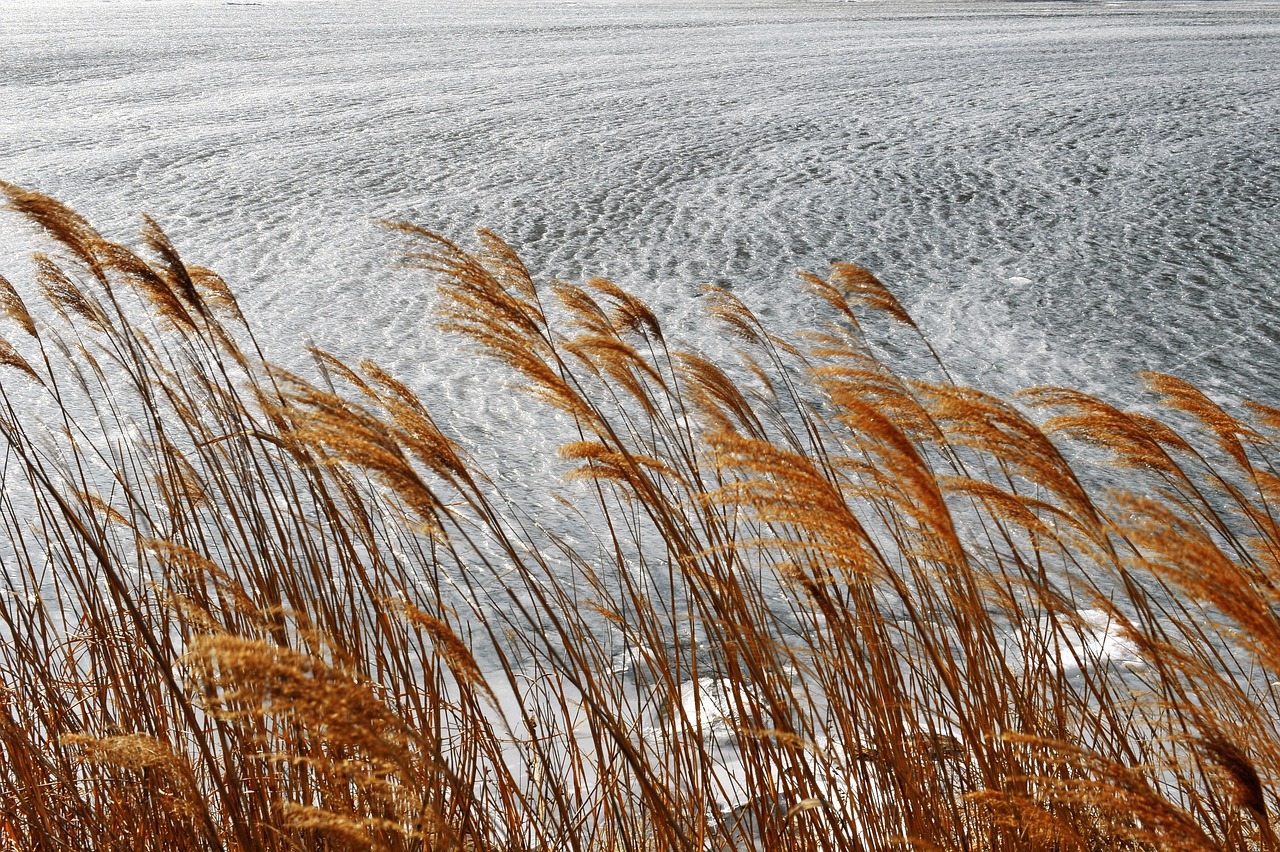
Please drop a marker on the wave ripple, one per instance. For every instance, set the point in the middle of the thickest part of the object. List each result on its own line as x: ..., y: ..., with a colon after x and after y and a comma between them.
x: 1061, y: 193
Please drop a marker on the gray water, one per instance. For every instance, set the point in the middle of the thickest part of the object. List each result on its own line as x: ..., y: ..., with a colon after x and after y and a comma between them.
x: 1059, y: 192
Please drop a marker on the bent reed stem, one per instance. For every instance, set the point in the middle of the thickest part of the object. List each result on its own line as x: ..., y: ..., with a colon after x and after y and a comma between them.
x: 792, y: 594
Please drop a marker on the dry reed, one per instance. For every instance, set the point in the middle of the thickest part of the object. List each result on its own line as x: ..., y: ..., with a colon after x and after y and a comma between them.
x: 807, y: 598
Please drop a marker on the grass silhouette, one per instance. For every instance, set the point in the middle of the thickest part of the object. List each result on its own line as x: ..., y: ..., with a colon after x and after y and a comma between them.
x: 811, y: 599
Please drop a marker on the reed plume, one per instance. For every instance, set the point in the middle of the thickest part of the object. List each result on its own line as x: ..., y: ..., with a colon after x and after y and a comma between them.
x: 797, y: 595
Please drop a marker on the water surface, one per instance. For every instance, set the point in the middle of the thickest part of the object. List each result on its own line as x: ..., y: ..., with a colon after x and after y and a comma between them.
x: 1059, y: 192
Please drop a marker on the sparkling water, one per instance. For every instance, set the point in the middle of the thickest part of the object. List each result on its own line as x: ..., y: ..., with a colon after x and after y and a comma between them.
x: 1058, y: 192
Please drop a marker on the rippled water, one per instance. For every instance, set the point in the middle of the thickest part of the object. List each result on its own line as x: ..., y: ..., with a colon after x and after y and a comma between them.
x: 1060, y: 192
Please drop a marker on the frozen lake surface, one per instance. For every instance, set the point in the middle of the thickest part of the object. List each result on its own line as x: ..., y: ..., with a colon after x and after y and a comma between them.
x: 1059, y: 192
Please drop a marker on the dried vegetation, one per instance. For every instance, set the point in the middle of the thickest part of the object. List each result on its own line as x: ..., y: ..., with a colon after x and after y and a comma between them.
x: 800, y: 597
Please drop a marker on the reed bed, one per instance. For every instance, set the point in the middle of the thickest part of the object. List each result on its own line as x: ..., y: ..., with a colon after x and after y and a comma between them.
x: 803, y: 596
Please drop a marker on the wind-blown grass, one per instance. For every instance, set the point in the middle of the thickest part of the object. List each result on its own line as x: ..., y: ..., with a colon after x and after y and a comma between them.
x: 813, y: 598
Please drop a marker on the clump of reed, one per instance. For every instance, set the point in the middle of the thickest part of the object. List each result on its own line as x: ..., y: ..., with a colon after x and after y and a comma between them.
x: 804, y: 596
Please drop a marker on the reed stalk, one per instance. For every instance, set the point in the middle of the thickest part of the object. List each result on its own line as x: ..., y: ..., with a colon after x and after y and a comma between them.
x: 803, y: 595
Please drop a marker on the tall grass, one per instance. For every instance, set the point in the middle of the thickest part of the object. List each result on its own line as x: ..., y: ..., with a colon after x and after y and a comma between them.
x: 801, y: 597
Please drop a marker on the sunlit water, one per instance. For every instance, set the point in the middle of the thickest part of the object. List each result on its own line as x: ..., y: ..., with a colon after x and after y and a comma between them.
x: 1059, y: 192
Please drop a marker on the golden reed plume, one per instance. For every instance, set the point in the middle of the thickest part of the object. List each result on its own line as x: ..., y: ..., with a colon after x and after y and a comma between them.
x: 789, y: 595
